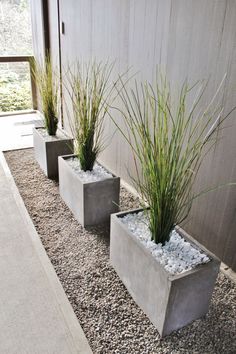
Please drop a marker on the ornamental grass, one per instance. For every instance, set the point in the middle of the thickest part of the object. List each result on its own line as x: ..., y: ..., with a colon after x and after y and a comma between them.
x: 169, y: 142
x: 90, y: 89
x: 48, y: 87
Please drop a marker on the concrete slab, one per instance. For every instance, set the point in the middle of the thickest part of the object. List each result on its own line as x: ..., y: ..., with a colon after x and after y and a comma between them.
x: 16, y: 131
x: 36, y: 316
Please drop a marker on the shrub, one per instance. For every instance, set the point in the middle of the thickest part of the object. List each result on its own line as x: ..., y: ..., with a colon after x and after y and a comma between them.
x: 15, y: 96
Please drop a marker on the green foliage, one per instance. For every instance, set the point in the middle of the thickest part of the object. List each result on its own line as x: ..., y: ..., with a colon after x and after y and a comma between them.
x: 90, y: 92
x: 15, y: 94
x: 48, y: 87
x: 15, y: 39
x: 169, y: 144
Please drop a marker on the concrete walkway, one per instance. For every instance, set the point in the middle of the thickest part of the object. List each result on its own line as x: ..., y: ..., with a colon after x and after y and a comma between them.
x: 16, y: 131
x: 35, y: 314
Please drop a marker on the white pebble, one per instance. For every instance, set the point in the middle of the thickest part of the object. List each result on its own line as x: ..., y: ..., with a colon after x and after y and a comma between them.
x: 98, y: 173
x: 177, y: 255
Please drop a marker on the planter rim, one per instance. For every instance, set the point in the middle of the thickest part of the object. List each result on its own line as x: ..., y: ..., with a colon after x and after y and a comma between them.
x: 66, y: 157
x: 66, y: 136
x: 184, y: 234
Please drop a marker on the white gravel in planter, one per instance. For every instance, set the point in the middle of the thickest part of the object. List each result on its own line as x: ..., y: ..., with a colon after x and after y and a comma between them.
x: 98, y: 173
x: 177, y: 255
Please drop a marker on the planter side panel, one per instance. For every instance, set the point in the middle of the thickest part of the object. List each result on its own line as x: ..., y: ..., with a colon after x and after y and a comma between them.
x: 47, y: 152
x: 40, y: 150
x: 190, y: 296
x: 148, y: 285
x: 54, y: 149
x: 101, y: 199
x: 71, y: 189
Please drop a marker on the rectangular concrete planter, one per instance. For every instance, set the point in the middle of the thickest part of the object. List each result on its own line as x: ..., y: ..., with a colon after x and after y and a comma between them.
x: 170, y: 301
x: 91, y: 202
x: 48, y: 148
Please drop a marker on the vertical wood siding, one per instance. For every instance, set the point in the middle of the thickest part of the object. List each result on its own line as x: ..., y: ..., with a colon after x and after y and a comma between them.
x: 194, y: 39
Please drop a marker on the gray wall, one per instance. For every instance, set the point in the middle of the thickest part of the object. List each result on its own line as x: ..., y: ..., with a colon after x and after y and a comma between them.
x: 186, y: 38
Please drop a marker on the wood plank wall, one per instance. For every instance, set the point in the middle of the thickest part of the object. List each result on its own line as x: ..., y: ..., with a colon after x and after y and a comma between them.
x: 194, y: 39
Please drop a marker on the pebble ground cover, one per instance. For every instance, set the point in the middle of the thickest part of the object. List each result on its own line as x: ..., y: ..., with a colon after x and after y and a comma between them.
x: 111, y: 320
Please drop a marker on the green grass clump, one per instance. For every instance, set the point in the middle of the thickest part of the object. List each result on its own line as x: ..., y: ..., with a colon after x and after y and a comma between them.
x: 169, y: 142
x: 90, y: 91
x: 48, y: 88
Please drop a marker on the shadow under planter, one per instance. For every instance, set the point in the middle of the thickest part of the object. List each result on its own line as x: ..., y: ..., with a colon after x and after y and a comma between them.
x: 47, y: 149
x: 91, y: 202
x: 170, y: 301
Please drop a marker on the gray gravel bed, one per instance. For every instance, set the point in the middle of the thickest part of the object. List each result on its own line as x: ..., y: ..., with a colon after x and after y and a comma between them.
x: 111, y: 320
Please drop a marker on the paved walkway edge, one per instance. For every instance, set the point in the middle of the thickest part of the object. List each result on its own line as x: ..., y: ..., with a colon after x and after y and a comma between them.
x: 80, y: 341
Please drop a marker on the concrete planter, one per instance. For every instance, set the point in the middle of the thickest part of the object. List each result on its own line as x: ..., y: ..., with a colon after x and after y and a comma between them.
x: 170, y: 301
x: 91, y: 202
x: 48, y: 148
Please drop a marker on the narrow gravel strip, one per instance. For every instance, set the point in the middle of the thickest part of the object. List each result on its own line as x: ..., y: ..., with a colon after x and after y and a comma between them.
x: 111, y: 320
